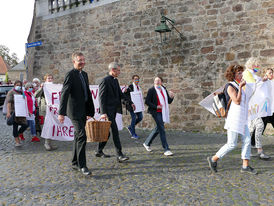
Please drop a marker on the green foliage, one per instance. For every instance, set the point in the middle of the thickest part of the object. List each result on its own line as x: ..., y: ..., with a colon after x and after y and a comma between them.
x: 12, y: 59
x: 6, y: 77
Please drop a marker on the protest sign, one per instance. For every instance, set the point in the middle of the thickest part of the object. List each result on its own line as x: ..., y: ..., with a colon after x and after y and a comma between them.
x: 261, y: 103
x: 52, y: 128
x: 20, y: 106
x: 137, y: 99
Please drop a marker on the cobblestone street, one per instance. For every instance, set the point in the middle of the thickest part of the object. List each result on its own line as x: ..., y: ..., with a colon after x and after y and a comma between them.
x: 30, y: 175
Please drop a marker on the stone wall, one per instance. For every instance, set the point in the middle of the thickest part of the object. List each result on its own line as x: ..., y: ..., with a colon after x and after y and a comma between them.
x: 216, y: 33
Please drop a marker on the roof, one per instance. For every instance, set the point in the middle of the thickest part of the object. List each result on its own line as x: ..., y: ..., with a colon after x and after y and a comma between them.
x: 19, y: 67
x: 3, y: 66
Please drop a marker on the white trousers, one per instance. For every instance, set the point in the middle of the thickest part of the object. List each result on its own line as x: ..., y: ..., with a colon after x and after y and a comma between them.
x: 232, y: 138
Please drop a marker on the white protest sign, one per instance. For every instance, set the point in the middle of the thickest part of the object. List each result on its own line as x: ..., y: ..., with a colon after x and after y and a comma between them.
x: 20, y: 106
x: 208, y: 101
x: 261, y: 103
x: 137, y: 99
x: 52, y: 129
x: 119, y: 121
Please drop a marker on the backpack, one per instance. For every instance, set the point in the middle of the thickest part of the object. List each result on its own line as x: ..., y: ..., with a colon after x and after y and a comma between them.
x: 221, y: 102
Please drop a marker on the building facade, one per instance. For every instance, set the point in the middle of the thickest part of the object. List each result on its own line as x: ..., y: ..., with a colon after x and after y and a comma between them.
x: 18, y: 72
x: 215, y: 34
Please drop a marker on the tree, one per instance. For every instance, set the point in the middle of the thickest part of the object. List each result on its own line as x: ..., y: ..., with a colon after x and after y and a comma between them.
x: 12, y: 59
x: 6, y: 77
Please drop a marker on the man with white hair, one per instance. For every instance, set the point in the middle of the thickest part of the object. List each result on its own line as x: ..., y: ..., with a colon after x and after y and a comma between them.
x: 110, y: 96
x: 36, y: 84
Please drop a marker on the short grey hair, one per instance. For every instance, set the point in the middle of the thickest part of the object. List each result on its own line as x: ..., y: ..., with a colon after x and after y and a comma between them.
x: 76, y: 54
x: 252, y: 61
x: 28, y: 85
x: 36, y: 80
x: 113, y: 65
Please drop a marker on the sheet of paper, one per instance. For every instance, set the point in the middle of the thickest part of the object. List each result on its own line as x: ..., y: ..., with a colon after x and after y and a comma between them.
x: 20, y: 106
x: 137, y: 99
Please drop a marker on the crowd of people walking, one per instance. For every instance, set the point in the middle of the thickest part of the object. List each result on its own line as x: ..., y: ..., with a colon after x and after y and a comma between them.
x: 76, y: 102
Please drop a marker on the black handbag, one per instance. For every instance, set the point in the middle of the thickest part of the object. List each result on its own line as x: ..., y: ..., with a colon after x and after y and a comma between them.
x: 10, y: 120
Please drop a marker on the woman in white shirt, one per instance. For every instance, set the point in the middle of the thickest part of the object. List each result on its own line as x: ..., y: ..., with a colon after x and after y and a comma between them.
x: 237, y: 119
x: 256, y: 126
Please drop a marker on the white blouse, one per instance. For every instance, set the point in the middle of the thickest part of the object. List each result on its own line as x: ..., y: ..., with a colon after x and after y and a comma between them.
x: 237, y: 117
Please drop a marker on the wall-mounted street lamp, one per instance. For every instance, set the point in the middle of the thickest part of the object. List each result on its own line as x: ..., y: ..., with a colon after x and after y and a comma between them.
x: 163, y: 29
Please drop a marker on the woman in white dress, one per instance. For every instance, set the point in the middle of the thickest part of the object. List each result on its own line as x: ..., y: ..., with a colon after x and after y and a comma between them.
x: 237, y: 119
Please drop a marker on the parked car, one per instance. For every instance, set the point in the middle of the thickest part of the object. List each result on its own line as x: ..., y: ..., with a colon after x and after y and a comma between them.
x: 4, y: 89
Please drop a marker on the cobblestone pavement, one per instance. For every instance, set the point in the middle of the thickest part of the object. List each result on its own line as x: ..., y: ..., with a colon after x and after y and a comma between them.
x: 32, y: 176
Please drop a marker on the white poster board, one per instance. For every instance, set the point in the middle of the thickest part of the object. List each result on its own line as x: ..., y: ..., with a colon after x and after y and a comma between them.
x: 52, y: 128
x: 137, y: 99
x: 261, y: 103
x: 20, y: 106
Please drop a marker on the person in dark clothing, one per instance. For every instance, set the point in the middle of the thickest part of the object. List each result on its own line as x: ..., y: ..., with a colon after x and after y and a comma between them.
x: 157, y: 100
x: 76, y: 103
x: 18, y: 121
x: 110, y: 96
x: 136, y: 117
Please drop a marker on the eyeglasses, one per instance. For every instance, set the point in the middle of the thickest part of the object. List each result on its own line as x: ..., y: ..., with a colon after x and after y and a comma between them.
x: 237, y: 67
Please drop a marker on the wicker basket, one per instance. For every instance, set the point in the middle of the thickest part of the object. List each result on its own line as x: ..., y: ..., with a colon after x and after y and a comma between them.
x: 97, y: 131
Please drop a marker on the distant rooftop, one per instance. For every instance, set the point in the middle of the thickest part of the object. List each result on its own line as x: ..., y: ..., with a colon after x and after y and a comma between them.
x: 3, y: 66
x: 19, y: 67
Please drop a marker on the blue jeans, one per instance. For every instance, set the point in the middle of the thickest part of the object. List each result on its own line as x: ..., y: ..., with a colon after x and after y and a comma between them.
x: 160, y: 128
x: 231, y: 144
x: 31, y: 124
x: 134, y: 120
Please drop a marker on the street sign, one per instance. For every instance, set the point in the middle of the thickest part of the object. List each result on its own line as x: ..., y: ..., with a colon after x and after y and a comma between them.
x: 34, y: 44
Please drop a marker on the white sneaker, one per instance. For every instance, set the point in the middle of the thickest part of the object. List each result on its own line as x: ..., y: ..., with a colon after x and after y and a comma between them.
x: 18, y: 144
x: 263, y: 156
x: 147, y: 147
x: 47, y: 146
x: 168, y: 153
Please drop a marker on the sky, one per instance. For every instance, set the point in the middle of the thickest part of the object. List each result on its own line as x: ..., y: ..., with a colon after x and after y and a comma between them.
x: 16, y: 17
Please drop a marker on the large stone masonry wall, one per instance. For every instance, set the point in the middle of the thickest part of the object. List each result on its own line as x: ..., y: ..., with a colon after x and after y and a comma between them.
x: 216, y: 33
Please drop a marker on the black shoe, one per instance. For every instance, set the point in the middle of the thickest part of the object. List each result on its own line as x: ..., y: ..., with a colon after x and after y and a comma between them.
x: 122, y: 158
x: 75, y: 167
x: 249, y: 170
x: 212, y: 165
x: 101, y: 154
x: 85, y: 171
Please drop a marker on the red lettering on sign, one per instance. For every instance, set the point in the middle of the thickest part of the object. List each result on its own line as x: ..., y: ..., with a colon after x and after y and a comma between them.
x: 94, y: 95
x: 59, y: 131
x: 54, y: 110
x: 53, y: 130
x: 65, y: 128
x: 53, y: 97
x: 71, y: 129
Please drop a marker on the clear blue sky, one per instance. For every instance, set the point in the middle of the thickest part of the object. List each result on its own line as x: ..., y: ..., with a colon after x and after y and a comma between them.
x: 16, y: 17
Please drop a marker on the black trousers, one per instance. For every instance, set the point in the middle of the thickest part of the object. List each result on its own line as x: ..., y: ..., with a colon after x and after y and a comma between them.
x: 115, y: 135
x: 16, y: 132
x: 79, y: 143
